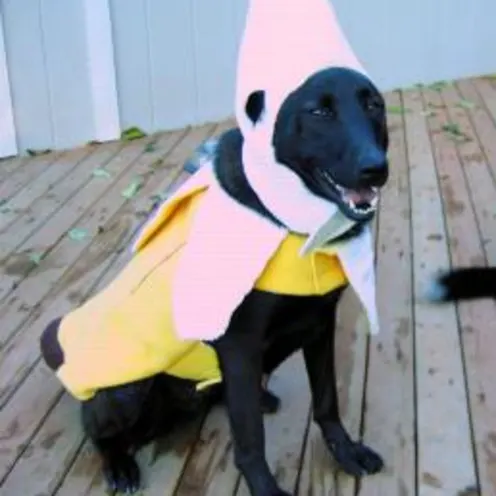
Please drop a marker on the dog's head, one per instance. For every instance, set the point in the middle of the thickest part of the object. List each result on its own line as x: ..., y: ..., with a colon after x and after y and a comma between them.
x: 332, y: 132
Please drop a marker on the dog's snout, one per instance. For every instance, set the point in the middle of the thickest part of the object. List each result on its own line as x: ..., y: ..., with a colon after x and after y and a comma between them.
x: 374, y: 174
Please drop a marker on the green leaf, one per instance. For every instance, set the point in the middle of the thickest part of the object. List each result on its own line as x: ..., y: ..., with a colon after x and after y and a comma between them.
x: 132, y: 133
x: 466, y: 104
x: 455, y: 132
x: 36, y: 258
x: 159, y: 197
x: 157, y: 164
x: 452, y: 129
x: 78, y: 234
x: 133, y: 188
x: 100, y: 172
x: 440, y: 85
x: 151, y: 147
x: 4, y: 206
x: 397, y: 109
x: 35, y: 153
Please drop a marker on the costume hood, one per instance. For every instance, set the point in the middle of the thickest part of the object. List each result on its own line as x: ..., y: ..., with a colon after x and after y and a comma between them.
x: 283, y: 44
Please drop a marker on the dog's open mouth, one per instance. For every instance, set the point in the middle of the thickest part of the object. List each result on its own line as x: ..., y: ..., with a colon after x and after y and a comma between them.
x: 359, y: 204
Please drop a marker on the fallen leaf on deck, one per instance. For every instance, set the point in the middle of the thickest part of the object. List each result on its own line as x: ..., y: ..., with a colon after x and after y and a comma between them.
x: 397, y: 109
x: 157, y: 163
x: 455, y: 132
x: 4, y: 207
x: 100, y: 172
x: 439, y: 85
x: 36, y: 258
x: 132, y: 133
x: 35, y: 153
x: 466, y: 104
x: 159, y: 197
x: 132, y: 189
x: 428, y: 113
x: 77, y: 234
x: 151, y: 147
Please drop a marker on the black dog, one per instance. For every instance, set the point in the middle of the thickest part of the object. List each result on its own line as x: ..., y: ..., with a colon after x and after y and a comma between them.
x: 465, y: 283
x: 332, y: 132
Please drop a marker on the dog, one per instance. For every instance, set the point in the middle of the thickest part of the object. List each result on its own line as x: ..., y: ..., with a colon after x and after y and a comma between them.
x: 332, y: 132
x: 463, y: 283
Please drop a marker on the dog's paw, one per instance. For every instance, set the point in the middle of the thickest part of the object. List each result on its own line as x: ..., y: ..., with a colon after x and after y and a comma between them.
x: 122, y: 474
x: 357, y: 459
x: 354, y: 458
x: 270, y: 402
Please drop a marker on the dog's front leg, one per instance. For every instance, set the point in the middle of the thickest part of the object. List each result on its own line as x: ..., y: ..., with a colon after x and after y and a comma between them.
x: 354, y: 457
x: 240, y: 357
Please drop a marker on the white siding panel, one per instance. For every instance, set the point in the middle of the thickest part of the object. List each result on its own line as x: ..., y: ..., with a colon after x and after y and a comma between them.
x: 101, y: 70
x: 404, y: 43
x: 28, y: 78
x: 174, y: 82
x: 216, y: 49
x: 8, y: 145
x: 132, y: 61
x: 67, y: 71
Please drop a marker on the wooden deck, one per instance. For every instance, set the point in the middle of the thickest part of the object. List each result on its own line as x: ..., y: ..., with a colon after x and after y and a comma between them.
x: 422, y: 392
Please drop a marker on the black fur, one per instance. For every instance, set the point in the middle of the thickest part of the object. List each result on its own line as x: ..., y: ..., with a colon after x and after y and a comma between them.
x: 467, y: 283
x: 348, y: 137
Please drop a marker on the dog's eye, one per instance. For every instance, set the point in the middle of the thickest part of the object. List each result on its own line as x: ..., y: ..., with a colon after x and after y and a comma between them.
x: 323, y: 112
x: 373, y: 105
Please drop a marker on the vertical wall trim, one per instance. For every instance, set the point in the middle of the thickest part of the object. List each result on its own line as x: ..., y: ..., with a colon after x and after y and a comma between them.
x: 101, y: 69
x: 8, y: 138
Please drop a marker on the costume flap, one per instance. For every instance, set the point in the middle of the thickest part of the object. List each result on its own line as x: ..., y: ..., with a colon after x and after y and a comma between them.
x: 200, y: 181
x: 228, y: 248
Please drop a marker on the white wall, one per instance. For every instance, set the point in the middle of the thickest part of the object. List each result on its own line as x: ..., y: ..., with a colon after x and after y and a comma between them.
x: 76, y: 70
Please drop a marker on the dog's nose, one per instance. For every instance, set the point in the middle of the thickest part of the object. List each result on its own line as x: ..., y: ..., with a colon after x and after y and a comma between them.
x: 373, y: 170
x: 374, y: 174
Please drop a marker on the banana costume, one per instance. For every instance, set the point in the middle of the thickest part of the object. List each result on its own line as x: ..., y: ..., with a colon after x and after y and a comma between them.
x: 202, y: 252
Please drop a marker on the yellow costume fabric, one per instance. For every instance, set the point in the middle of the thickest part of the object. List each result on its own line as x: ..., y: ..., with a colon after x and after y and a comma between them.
x: 126, y: 332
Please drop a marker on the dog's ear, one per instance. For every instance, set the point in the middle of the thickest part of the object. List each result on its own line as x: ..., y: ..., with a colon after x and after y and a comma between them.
x: 255, y: 105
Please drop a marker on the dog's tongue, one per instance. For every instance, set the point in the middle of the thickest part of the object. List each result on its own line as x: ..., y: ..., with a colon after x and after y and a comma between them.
x: 364, y: 195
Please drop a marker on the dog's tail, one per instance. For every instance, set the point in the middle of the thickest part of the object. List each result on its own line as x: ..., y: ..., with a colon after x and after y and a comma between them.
x: 463, y: 284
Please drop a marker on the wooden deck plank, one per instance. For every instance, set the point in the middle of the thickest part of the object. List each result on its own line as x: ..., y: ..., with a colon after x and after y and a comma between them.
x: 389, y: 423
x: 161, y: 462
x: 487, y: 91
x: 9, y: 165
x: 440, y: 383
x: 44, y: 461
x: 18, y: 267
x: 54, y: 476
x: 43, y: 208
x: 476, y: 195
x: 481, y: 168
x: 35, y: 180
